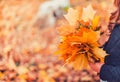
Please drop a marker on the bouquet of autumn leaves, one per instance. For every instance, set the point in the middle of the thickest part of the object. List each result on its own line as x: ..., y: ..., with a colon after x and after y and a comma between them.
x: 79, y: 38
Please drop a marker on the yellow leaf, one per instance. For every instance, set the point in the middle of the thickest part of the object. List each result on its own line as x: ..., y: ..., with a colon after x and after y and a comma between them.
x: 73, y: 16
x: 95, y: 22
x: 100, y: 53
x: 88, y: 13
x: 81, y: 62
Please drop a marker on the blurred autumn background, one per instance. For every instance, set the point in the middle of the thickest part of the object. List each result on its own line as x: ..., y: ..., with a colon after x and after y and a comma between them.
x: 28, y: 40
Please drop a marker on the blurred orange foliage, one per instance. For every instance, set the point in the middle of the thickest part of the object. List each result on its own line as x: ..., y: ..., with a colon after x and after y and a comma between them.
x: 28, y: 48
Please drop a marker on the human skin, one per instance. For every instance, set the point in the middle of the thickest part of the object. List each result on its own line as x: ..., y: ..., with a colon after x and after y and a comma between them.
x: 96, y: 66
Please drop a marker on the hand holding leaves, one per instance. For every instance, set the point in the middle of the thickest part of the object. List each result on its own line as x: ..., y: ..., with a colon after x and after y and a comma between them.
x: 80, y: 46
